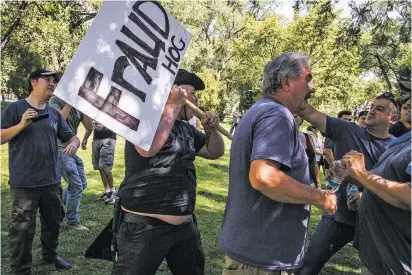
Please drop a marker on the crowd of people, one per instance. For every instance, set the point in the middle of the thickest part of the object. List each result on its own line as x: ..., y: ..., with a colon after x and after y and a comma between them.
x: 274, y: 178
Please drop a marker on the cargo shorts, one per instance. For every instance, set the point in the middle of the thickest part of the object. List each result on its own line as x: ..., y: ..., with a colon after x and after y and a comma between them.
x: 103, y: 153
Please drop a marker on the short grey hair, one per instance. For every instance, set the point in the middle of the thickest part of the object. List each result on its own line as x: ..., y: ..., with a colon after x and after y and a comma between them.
x: 286, y: 64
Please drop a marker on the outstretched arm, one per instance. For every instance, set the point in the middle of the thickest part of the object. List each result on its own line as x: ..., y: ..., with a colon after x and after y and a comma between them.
x: 266, y: 177
x: 177, y: 98
x: 395, y: 193
x: 314, y: 117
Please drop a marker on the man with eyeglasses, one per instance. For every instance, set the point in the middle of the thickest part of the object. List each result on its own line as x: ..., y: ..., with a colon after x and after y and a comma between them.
x: 334, y: 232
x: 31, y: 127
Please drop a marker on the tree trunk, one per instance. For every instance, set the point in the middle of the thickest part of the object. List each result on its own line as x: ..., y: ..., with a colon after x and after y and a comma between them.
x: 385, y: 75
x: 5, y: 38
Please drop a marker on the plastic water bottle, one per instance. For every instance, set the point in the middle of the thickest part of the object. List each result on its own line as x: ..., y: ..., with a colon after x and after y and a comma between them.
x: 338, y: 175
x: 351, y: 189
x: 334, y: 183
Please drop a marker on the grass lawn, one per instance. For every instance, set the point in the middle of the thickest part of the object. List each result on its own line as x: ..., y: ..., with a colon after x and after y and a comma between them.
x: 212, y: 182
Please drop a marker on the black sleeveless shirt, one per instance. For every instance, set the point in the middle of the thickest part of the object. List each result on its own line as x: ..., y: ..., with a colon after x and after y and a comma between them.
x: 165, y: 183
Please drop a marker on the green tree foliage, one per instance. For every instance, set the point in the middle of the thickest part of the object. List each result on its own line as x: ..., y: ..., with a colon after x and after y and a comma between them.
x: 39, y: 34
x: 231, y: 42
x: 383, y: 30
x: 340, y: 77
x: 334, y: 65
x: 214, y: 28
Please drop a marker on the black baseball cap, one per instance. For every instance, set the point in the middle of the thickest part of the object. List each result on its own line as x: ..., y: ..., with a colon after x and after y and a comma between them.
x: 39, y: 73
x: 186, y: 78
x: 362, y: 113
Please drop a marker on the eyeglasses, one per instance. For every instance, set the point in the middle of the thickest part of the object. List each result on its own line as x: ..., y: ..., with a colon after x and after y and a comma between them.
x: 389, y: 96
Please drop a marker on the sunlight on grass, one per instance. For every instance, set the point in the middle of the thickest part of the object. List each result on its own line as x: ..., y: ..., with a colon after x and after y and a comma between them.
x: 212, y: 182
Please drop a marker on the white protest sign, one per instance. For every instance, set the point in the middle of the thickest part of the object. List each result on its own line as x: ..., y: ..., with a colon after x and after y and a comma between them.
x: 124, y: 68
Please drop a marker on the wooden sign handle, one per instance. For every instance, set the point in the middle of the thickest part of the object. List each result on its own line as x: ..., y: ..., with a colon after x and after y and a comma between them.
x: 200, y: 114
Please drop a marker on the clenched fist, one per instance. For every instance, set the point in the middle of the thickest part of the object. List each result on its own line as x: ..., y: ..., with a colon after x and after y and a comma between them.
x: 328, y: 202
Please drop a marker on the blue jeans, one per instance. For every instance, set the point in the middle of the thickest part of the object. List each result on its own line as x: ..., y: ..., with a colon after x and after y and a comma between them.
x: 72, y: 170
x: 329, y: 237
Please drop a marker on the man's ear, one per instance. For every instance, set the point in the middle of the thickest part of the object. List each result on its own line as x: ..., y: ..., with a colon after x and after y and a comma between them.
x: 394, y: 118
x: 285, y: 83
x: 33, y: 81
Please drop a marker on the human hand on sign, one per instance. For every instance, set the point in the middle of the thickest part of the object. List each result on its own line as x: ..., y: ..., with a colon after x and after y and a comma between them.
x: 177, y: 96
x: 210, y: 121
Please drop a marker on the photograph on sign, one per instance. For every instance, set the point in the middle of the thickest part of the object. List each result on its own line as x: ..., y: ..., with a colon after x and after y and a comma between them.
x: 124, y: 68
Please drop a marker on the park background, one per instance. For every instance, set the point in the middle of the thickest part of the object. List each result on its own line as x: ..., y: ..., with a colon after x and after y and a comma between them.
x: 355, y: 55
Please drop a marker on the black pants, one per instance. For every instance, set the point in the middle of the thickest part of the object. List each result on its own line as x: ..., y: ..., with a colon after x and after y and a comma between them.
x: 25, y: 202
x: 329, y: 237
x: 143, y: 243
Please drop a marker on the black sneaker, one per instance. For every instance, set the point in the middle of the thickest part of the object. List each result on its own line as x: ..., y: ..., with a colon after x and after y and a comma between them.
x: 103, y: 197
x: 111, y: 198
x: 59, y: 262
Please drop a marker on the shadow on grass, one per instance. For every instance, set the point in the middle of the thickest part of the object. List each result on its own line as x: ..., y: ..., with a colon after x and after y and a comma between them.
x: 212, y: 192
x: 212, y: 195
x: 222, y: 168
x: 346, y: 261
x: 95, y: 216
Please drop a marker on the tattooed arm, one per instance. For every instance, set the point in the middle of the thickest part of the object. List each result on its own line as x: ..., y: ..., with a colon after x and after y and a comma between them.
x: 214, y: 146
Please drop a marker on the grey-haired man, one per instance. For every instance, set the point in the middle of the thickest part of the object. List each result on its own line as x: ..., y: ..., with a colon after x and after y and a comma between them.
x: 268, y: 206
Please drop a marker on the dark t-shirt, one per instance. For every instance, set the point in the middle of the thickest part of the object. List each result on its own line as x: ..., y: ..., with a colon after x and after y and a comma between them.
x: 73, y: 120
x: 105, y: 133
x: 256, y: 230
x: 398, y: 129
x: 33, y: 152
x: 311, y: 154
x: 383, y: 231
x: 348, y: 136
x: 328, y: 144
x: 166, y: 182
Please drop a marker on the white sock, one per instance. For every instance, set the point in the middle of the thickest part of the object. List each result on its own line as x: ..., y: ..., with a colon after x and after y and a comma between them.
x: 112, y: 189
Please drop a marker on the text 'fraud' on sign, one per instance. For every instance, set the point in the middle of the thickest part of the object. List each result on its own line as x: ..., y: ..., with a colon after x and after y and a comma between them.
x: 124, y: 68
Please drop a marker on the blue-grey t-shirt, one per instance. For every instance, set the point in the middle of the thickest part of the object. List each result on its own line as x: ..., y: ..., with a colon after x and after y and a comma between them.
x: 256, y: 230
x: 348, y: 136
x: 33, y: 152
x: 383, y: 231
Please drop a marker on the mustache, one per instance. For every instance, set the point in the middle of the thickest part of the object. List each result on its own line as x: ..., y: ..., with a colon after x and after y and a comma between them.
x: 309, y: 95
